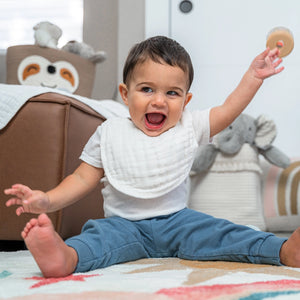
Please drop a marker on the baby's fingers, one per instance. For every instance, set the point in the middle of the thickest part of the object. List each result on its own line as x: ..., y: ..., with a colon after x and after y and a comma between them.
x: 24, y: 190
x: 264, y: 54
x: 275, y: 65
x: 278, y: 70
x: 19, y: 190
x: 17, y: 201
x: 14, y: 201
x: 20, y: 210
x: 274, y: 52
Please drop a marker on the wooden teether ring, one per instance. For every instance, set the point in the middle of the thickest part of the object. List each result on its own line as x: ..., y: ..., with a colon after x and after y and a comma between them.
x: 282, y: 38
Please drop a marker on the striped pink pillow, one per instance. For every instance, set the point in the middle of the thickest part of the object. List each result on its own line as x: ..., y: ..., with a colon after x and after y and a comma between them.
x: 281, y: 197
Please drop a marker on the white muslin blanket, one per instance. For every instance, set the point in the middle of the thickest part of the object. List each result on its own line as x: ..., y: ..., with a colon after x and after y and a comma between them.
x: 13, y: 97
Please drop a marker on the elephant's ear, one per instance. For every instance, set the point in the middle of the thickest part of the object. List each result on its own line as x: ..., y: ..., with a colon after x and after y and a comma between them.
x: 265, y: 133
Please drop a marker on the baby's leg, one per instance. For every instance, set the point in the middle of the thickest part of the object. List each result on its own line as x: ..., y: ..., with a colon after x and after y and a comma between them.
x: 204, y: 237
x: 53, y: 256
x: 290, y: 250
x: 109, y: 241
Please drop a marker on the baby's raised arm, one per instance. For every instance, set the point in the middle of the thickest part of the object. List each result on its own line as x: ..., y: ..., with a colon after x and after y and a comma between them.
x: 263, y: 66
x: 71, y: 189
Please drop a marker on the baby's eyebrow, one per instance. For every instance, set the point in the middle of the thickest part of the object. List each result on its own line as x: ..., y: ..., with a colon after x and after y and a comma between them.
x: 145, y: 83
x: 176, y: 88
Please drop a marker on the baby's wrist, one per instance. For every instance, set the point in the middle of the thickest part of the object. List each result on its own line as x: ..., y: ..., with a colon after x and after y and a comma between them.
x: 255, y: 79
x: 47, y: 202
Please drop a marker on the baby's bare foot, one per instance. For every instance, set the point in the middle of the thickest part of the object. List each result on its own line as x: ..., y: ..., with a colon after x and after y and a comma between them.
x: 53, y: 256
x: 290, y: 250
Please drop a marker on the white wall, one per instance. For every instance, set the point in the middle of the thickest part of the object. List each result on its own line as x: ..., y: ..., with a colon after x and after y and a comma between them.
x: 131, y: 29
x: 223, y: 37
x: 100, y: 30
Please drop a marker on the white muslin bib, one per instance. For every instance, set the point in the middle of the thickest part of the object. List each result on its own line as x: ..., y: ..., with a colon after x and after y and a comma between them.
x: 146, y: 167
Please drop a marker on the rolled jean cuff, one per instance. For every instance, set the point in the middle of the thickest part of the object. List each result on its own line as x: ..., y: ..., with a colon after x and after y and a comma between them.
x: 84, y: 254
x: 269, y: 251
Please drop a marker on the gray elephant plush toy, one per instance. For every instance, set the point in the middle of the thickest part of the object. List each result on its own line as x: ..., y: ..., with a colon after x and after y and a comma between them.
x: 259, y: 133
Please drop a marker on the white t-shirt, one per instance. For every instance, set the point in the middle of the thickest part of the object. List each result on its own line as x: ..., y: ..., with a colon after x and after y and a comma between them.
x: 145, y: 176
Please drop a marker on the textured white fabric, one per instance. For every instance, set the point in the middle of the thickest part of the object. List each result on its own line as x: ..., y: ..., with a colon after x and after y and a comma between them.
x: 13, y: 97
x: 147, y: 167
x: 136, y: 198
x: 131, y: 208
x: 245, y: 160
x: 231, y: 189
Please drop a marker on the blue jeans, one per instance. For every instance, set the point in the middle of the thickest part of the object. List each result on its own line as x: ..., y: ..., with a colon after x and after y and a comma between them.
x: 186, y: 234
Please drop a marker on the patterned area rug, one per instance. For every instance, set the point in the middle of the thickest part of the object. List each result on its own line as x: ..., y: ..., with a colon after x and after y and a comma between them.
x: 150, y: 279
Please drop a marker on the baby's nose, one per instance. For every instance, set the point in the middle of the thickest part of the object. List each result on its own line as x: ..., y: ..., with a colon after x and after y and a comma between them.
x: 159, y: 99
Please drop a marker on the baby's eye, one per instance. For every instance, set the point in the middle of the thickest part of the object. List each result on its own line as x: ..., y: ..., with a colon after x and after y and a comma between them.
x: 147, y: 89
x: 172, y: 93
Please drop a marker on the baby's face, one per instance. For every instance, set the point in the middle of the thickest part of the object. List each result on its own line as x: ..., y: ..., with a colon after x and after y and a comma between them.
x: 156, y: 96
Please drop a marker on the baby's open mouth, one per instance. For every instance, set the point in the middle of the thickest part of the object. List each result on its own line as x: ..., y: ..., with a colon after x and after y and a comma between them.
x: 155, y: 120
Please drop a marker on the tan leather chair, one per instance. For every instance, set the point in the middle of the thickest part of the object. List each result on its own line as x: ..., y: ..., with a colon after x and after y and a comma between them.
x: 39, y: 147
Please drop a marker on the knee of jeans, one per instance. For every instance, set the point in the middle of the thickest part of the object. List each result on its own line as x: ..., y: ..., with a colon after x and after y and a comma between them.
x: 91, y: 225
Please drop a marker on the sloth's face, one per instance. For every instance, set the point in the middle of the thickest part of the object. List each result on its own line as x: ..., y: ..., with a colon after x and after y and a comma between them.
x: 39, y: 71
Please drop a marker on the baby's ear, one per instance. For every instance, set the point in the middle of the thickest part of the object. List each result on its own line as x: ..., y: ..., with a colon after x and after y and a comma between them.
x: 123, y: 92
x: 188, y: 98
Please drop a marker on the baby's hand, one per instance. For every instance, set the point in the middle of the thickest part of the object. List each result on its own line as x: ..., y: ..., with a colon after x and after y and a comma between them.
x: 266, y: 64
x: 28, y: 200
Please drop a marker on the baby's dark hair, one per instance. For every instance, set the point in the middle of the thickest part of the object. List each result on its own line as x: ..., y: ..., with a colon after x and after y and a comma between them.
x: 159, y: 49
